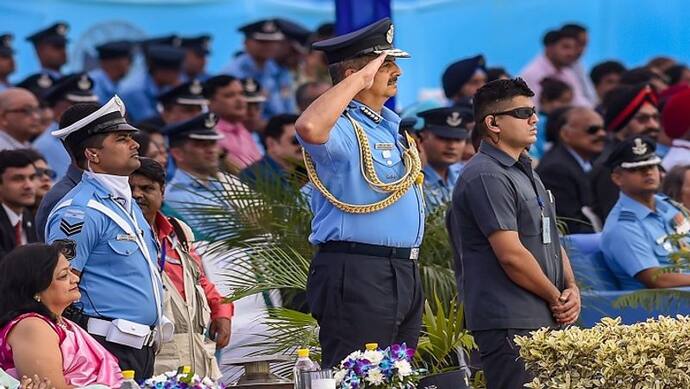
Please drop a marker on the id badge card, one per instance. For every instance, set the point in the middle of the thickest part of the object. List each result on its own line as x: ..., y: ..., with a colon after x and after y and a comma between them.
x: 545, y: 229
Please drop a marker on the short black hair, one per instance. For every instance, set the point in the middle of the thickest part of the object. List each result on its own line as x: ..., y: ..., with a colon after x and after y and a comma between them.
x: 552, y: 89
x: 495, y: 92
x: 555, y: 36
x: 495, y: 73
x: 152, y: 170
x: 13, y: 159
x: 75, y: 147
x: 274, y: 128
x: 33, y: 155
x: 603, y: 69
x: 574, y: 27
x: 640, y: 75
x: 212, y: 85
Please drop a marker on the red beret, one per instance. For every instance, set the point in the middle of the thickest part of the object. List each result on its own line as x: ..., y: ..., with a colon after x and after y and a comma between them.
x: 674, y: 117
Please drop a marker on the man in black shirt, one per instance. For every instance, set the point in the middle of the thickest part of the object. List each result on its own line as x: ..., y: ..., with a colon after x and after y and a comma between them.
x: 516, y: 277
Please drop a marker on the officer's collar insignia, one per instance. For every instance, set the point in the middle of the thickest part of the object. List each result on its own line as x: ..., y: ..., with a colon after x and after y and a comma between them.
x: 454, y: 119
x: 368, y: 112
x: 84, y: 83
x: 61, y: 29
x: 44, y: 81
x: 640, y: 148
x: 195, y: 88
x: 389, y: 35
x: 250, y: 85
x: 210, y: 121
x: 269, y: 27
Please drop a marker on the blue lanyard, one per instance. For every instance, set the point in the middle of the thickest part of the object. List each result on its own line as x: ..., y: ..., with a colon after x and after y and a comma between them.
x: 161, y: 262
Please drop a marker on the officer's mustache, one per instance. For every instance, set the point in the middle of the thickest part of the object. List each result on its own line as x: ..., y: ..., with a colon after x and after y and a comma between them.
x: 393, y: 80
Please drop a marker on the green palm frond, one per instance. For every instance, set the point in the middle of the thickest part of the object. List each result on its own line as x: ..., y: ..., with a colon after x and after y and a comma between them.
x: 289, y: 330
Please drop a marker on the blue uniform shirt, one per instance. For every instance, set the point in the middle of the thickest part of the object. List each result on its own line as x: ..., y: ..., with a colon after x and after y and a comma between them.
x: 438, y: 191
x: 184, y: 194
x: 53, y: 73
x: 140, y: 94
x: 634, y: 236
x: 338, y: 165
x: 103, y: 86
x: 115, y: 277
x: 275, y: 80
x: 53, y: 150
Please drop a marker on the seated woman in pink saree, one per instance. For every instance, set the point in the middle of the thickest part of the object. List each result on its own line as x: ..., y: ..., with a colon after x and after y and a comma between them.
x: 36, y: 286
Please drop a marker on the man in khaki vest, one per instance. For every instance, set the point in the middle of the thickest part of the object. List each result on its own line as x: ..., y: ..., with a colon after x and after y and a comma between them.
x: 191, y: 299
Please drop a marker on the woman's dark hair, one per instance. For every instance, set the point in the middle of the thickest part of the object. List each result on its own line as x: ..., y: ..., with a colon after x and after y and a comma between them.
x: 673, y: 182
x: 26, y: 271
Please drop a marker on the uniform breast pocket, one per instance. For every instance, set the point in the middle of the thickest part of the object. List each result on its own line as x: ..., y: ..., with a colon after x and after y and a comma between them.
x: 123, y: 247
x: 388, y: 164
x: 529, y: 217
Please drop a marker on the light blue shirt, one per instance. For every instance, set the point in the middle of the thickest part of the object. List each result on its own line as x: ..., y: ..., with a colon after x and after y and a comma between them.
x: 634, y: 236
x: 103, y: 86
x: 338, y: 165
x: 140, y: 94
x: 53, y: 73
x: 585, y: 165
x: 185, y: 195
x: 115, y: 277
x: 438, y: 191
x: 53, y: 150
x: 275, y: 80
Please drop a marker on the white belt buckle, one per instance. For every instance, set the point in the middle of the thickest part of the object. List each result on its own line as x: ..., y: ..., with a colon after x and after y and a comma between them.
x: 414, y: 253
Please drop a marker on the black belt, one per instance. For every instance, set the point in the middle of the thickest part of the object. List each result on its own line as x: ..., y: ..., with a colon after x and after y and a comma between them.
x: 336, y: 246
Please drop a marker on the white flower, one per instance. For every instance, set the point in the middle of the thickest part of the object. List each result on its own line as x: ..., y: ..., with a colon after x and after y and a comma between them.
x: 403, y: 367
x: 373, y: 356
x: 339, y: 375
x: 374, y: 377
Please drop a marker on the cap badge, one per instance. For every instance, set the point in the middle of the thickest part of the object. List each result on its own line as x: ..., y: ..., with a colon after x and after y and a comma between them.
x: 250, y: 85
x: 640, y: 148
x: 44, y: 81
x: 61, y: 29
x: 454, y: 119
x: 389, y: 35
x: 210, y: 121
x: 195, y: 88
x: 84, y: 83
x: 269, y: 27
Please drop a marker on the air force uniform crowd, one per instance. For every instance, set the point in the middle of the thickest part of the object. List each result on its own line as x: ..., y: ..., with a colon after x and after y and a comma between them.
x: 111, y: 169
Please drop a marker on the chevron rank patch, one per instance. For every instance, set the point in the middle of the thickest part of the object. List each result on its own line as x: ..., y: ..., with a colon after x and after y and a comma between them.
x: 71, y: 228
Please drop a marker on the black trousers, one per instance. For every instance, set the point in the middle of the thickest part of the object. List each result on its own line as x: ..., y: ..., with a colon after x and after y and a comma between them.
x: 359, y: 299
x: 501, y: 362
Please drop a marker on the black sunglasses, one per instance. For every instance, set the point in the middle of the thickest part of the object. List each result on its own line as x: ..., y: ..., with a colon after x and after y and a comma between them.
x: 48, y: 172
x: 518, y: 113
x: 591, y: 130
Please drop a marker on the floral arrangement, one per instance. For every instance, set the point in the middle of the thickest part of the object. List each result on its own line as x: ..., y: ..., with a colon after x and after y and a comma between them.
x: 376, y: 368
x: 179, y: 379
x: 651, y: 354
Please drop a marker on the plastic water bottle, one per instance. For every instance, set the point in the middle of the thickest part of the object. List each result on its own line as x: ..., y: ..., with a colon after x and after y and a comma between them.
x: 128, y: 382
x: 303, y: 364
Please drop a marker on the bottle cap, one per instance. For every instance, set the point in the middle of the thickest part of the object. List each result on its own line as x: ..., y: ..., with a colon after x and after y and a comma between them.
x: 128, y: 374
x: 371, y: 346
x: 303, y: 353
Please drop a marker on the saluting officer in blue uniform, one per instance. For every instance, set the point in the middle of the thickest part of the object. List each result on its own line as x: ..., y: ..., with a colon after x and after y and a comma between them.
x: 115, y: 60
x: 368, y: 207
x: 258, y: 62
x: 443, y: 139
x: 50, y: 45
x: 115, y: 250
x: 69, y: 90
x: 635, y: 236
x: 164, y: 60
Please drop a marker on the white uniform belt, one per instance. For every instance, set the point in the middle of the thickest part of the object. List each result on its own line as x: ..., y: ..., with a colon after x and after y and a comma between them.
x: 122, y: 332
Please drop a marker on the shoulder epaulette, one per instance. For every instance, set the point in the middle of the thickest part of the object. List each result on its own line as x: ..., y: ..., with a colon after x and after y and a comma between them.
x: 627, y: 216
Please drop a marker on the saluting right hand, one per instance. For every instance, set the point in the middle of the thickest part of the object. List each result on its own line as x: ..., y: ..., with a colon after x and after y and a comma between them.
x: 369, y: 71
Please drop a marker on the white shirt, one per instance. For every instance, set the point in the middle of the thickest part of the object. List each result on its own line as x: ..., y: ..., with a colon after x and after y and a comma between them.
x: 679, y: 154
x: 541, y: 67
x: 7, y: 142
x: 14, y: 219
